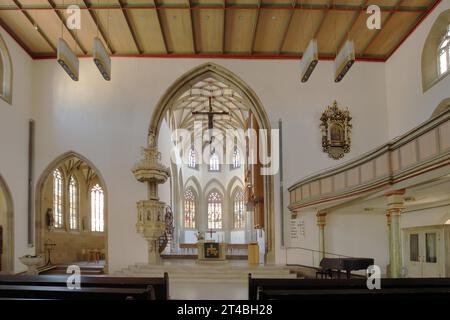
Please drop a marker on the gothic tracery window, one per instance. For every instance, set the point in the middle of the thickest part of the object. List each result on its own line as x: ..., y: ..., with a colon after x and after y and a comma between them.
x: 239, y: 220
x: 214, y: 211
x: 57, y: 199
x: 73, y: 203
x: 444, y: 53
x: 189, y: 209
x: 97, y: 209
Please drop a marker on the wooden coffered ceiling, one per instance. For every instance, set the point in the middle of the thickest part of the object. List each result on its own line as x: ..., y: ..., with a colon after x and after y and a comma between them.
x: 213, y: 28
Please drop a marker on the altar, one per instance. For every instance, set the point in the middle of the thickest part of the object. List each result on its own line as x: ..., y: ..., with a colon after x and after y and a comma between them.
x: 211, y: 251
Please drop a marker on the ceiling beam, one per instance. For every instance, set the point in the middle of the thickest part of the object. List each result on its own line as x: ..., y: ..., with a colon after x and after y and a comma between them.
x: 351, y: 25
x: 130, y: 27
x: 30, y: 18
x: 194, y: 43
x: 63, y: 21
x: 102, y: 32
x: 255, y: 27
x: 271, y: 6
x: 166, y: 47
x: 324, y: 16
x: 377, y: 32
x: 224, y: 32
x: 286, y: 27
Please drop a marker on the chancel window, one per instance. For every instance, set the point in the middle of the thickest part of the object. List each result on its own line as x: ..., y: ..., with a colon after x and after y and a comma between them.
x: 73, y: 203
x: 236, y: 163
x: 214, y: 211
x: 97, y: 209
x: 189, y: 209
x: 57, y: 199
x: 214, y: 162
x: 192, y: 159
x: 444, y: 53
x: 239, y: 220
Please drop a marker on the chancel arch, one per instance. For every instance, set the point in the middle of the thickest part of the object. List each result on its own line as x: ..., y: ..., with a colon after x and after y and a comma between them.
x: 6, y: 72
x: 217, y: 99
x: 6, y: 229
x: 71, y: 211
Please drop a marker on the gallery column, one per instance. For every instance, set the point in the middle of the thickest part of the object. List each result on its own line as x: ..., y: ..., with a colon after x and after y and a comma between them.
x: 321, y: 222
x: 151, y: 212
x: 394, y: 210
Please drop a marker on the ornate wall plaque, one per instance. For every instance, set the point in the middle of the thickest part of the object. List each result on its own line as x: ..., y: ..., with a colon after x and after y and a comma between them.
x: 336, y: 129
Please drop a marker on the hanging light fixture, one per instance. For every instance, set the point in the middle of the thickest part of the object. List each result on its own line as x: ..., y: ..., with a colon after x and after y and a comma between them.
x: 68, y: 59
x: 102, y: 59
x: 344, y: 60
x: 309, y: 60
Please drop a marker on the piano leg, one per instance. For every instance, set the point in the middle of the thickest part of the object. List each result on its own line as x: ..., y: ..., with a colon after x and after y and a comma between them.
x: 348, y: 273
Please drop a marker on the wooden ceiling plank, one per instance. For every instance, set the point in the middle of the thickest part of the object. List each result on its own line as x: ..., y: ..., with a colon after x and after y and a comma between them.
x: 99, y: 27
x: 16, y: 38
x: 288, y: 23
x: 255, y: 27
x: 377, y: 34
x: 352, y: 24
x: 30, y: 18
x: 72, y: 33
x: 128, y: 22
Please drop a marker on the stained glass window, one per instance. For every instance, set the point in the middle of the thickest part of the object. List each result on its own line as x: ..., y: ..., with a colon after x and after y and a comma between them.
x: 214, y: 211
x: 189, y: 209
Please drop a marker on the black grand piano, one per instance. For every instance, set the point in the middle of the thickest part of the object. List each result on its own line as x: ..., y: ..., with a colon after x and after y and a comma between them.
x: 348, y: 264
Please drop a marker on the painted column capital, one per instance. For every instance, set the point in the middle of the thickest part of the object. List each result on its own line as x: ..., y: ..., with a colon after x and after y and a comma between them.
x: 321, y: 219
x: 395, y: 203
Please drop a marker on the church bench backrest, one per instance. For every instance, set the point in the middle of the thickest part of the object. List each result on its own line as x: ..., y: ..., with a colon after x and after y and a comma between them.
x: 64, y: 293
x: 160, y: 286
x: 256, y: 286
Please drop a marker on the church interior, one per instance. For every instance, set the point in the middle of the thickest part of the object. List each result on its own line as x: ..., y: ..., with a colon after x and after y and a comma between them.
x: 255, y: 146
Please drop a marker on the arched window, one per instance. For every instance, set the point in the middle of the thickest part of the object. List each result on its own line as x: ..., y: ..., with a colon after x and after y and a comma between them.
x: 214, y: 211
x: 192, y: 159
x: 236, y: 163
x: 57, y: 199
x: 444, y: 53
x: 73, y: 203
x: 5, y: 73
x: 239, y: 220
x: 97, y: 207
x: 214, y: 162
x: 189, y: 209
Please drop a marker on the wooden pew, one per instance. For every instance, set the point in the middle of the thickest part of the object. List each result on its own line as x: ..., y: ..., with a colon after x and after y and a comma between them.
x: 92, y: 287
x: 319, y: 289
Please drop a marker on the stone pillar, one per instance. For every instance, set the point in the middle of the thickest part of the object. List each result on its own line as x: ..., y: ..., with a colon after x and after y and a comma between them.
x: 151, y: 212
x: 321, y: 222
x: 395, y: 207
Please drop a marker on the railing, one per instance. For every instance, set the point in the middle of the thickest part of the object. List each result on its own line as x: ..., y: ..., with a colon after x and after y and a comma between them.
x: 423, y: 149
x: 314, y: 256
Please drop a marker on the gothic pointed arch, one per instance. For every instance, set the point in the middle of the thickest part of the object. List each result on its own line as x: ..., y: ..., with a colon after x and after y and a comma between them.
x: 7, y: 210
x: 93, y: 178
x: 6, y: 72
x: 216, y: 74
